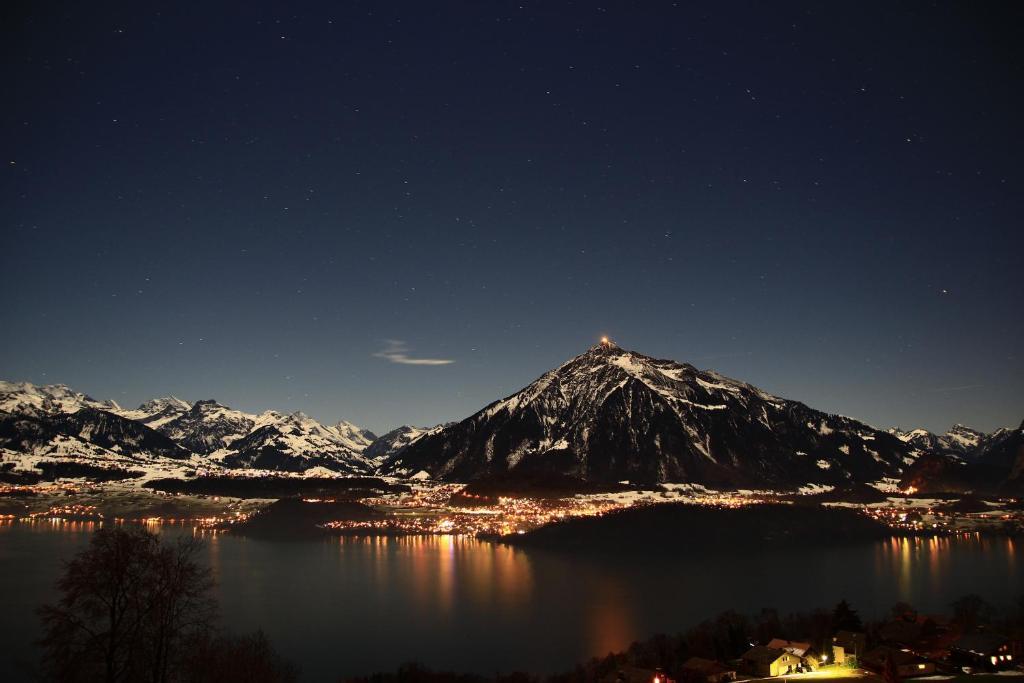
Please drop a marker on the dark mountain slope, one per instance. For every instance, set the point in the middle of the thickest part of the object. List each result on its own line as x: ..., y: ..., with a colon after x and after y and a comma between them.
x: 612, y: 414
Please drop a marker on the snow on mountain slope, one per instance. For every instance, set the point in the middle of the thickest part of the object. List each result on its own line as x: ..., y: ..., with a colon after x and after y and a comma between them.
x: 157, y: 411
x: 54, y: 423
x: 296, y: 442
x: 27, y: 398
x: 389, y: 444
x: 921, y: 440
x: 963, y: 437
x: 206, y: 426
x: 958, y: 441
x: 612, y: 414
x: 1003, y: 458
x: 87, y: 437
x: 355, y: 437
x: 994, y: 465
x: 45, y: 421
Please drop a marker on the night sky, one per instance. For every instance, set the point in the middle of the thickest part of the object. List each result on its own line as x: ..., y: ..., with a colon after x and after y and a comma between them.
x: 313, y: 207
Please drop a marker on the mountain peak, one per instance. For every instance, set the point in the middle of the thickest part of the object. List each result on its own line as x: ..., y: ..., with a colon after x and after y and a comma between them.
x: 605, y: 345
x: 157, y: 404
x: 206, y: 402
x: 611, y: 414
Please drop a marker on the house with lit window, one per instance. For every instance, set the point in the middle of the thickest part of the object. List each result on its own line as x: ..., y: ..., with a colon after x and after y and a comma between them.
x: 847, y: 646
x: 983, y: 651
x: 906, y: 663
x: 764, y: 661
x: 808, y: 657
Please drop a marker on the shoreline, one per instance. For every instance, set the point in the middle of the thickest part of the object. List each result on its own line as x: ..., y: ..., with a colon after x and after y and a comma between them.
x: 383, y: 507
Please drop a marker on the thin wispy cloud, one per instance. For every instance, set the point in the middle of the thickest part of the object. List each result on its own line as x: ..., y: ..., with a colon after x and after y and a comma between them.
x: 964, y: 387
x: 397, y: 351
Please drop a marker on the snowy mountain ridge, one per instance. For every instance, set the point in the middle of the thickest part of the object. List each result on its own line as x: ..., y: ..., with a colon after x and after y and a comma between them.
x: 606, y: 415
x: 959, y: 441
x: 388, y: 445
x: 54, y: 421
x: 24, y: 397
x: 611, y: 414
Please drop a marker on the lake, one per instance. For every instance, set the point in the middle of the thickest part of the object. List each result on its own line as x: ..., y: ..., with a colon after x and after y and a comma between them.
x: 353, y: 606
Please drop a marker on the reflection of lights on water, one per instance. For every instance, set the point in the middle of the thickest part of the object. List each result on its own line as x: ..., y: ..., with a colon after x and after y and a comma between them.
x: 440, y: 571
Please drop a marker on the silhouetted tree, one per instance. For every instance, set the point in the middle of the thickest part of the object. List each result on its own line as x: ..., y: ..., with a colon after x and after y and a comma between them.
x: 814, y: 627
x: 127, y: 605
x: 134, y: 608
x: 845, y: 618
x: 734, y: 638
x: 767, y: 625
x: 971, y: 611
x: 236, y: 659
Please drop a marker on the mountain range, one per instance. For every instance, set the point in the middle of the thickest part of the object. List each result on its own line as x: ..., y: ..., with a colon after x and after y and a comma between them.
x: 607, y: 415
x: 170, y: 436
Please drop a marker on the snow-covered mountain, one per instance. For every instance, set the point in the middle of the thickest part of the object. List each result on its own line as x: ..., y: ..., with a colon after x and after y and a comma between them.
x: 206, y: 426
x: 963, y: 438
x: 606, y: 415
x: 959, y: 440
x: 24, y: 398
x: 297, y: 442
x: 386, y: 446
x: 612, y: 414
x: 58, y: 430
x: 995, y: 463
x: 46, y: 422
x: 354, y: 436
x: 157, y: 411
x: 32, y: 440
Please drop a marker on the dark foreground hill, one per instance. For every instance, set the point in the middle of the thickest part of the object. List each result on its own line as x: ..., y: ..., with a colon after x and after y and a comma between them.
x: 683, y: 529
x: 277, y: 487
x: 297, y: 519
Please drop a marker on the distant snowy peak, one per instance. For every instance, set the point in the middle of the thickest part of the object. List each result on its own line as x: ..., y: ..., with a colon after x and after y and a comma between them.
x: 959, y: 440
x: 205, y: 427
x: 921, y: 439
x: 995, y: 464
x: 359, y: 438
x: 296, y: 442
x: 99, y: 438
x: 28, y: 398
x: 396, y: 440
x: 158, y: 405
x: 44, y: 424
x: 157, y: 411
x: 611, y: 414
x: 58, y: 421
x: 964, y: 437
